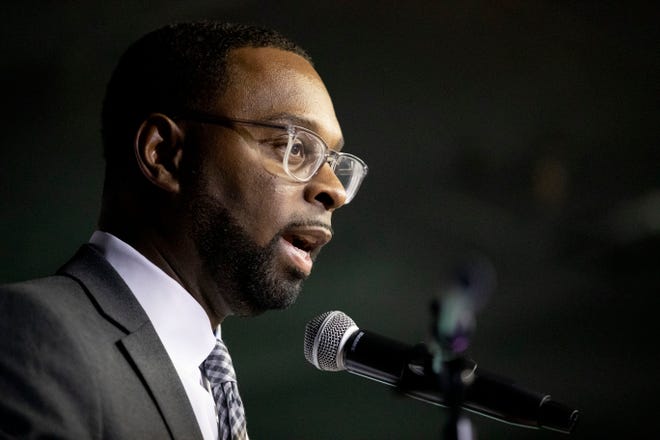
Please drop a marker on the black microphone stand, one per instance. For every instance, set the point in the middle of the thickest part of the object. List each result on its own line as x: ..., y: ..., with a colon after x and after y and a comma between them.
x: 448, y: 368
x: 453, y: 323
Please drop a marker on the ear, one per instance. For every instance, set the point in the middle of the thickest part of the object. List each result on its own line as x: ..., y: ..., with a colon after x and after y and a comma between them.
x: 158, y: 150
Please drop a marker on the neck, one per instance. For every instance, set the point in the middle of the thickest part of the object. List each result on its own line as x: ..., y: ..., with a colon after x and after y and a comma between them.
x: 174, y: 253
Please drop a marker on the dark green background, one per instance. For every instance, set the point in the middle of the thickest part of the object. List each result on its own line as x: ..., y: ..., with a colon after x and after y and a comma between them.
x: 523, y: 130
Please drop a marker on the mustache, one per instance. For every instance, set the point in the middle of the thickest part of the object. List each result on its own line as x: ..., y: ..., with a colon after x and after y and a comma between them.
x: 306, y: 223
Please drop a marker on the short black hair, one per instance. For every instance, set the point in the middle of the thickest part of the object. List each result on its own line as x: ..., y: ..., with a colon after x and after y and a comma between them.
x: 175, y: 68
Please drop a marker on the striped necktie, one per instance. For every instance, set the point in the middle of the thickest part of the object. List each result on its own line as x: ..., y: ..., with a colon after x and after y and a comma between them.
x: 219, y: 370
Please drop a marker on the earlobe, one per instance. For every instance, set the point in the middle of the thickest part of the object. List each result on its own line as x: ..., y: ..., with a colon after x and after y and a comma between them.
x: 158, y: 150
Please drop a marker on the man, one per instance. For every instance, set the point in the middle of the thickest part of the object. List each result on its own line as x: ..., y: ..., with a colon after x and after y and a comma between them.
x: 222, y: 174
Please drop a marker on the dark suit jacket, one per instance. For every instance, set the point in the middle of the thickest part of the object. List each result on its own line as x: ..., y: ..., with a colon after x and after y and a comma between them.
x: 79, y: 359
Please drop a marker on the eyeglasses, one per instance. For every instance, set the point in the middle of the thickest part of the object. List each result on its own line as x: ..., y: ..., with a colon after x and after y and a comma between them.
x: 297, y: 151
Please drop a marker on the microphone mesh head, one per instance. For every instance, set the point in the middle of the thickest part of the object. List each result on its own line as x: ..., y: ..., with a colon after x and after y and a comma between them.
x: 324, y: 338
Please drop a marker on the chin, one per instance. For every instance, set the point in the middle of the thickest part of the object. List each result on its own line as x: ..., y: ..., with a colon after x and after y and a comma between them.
x: 261, y: 297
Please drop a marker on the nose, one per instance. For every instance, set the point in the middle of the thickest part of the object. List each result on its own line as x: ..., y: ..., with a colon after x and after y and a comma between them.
x: 325, y: 189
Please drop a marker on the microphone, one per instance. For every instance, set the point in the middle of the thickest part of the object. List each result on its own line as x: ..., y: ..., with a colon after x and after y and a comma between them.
x: 333, y: 342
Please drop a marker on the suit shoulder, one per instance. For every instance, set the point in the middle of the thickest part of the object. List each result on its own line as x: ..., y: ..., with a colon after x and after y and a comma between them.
x: 46, y: 376
x: 55, y: 287
x: 43, y: 299
x: 40, y: 285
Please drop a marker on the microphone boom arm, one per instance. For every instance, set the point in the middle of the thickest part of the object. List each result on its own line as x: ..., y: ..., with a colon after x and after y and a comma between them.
x: 409, y: 370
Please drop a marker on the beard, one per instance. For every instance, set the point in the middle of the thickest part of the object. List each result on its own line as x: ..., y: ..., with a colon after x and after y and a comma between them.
x: 248, y: 278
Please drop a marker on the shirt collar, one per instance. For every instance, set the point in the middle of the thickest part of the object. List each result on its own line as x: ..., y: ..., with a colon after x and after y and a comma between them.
x: 179, y: 320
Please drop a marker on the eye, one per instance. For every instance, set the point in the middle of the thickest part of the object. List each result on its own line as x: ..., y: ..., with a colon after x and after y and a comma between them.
x: 277, y: 146
x: 296, y: 152
x: 297, y: 149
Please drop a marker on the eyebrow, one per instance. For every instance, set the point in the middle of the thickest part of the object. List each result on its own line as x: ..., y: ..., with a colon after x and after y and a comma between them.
x: 301, y: 121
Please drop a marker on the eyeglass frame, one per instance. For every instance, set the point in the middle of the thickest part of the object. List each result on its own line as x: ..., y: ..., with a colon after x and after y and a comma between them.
x: 328, y: 155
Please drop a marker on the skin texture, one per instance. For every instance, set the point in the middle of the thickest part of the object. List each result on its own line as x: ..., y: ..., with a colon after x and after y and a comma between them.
x: 211, y: 215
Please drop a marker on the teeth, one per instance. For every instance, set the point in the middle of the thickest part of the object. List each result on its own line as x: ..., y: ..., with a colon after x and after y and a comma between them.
x: 300, y: 244
x: 307, y: 240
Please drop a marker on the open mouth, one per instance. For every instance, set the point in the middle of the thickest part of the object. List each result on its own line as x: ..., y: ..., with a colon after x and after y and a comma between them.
x: 308, y: 239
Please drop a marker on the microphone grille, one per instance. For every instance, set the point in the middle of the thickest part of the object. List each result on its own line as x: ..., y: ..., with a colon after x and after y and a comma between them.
x: 325, y: 336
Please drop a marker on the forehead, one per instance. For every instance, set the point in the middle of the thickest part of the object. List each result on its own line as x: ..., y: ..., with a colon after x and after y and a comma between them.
x: 278, y: 85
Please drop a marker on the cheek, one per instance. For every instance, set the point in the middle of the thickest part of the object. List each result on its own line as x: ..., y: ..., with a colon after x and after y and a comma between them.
x: 264, y: 204
x: 260, y: 202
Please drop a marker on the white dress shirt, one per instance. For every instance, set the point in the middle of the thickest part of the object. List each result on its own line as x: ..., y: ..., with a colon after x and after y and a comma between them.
x: 180, y: 322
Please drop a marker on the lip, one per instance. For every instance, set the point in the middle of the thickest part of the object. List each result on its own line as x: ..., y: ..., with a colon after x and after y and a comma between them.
x: 303, y: 243
x: 308, y: 238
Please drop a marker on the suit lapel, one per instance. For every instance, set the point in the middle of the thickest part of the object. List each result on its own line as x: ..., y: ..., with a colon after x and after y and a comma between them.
x: 106, y: 289
x: 151, y: 360
x: 141, y: 345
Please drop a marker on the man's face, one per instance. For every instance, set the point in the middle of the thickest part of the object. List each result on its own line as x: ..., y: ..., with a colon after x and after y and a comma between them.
x: 257, y: 232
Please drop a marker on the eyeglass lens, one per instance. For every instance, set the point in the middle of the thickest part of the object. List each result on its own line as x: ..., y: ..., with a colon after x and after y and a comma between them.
x: 306, y: 154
